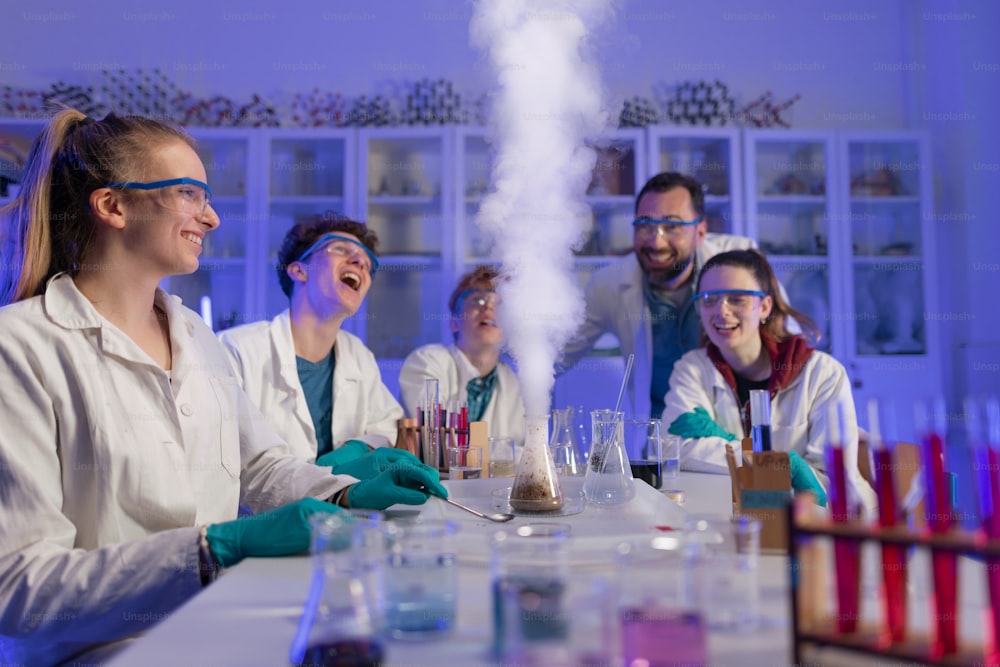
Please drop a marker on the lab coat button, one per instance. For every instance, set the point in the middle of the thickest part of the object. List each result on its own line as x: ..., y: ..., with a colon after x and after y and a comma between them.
x: 187, y: 410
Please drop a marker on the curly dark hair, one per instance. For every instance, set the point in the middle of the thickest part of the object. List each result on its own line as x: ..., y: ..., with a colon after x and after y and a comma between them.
x: 303, y: 234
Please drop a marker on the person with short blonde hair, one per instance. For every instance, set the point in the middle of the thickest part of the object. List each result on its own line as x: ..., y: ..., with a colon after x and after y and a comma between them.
x: 469, y: 370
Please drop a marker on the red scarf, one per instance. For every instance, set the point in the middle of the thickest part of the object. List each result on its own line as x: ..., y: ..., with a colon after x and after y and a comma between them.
x: 788, y: 358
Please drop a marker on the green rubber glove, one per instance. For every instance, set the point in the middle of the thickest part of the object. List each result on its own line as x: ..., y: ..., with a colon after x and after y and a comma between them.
x: 350, y: 450
x: 698, y: 424
x: 279, y: 532
x: 804, y: 477
x: 405, y: 484
x: 378, y: 461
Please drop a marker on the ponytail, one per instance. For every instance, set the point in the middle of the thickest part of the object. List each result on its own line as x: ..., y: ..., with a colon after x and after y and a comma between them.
x: 48, y: 228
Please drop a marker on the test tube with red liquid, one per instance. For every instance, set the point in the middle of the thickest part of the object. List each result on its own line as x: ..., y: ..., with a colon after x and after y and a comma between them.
x: 846, y: 553
x: 893, y: 555
x: 931, y: 422
x: 983, y: 419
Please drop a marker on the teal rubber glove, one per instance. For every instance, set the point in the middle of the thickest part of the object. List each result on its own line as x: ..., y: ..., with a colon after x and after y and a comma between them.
x: 405, y: 484
x: 698, y: 424
x: 279, y: 532
x: 375, y: 462
x: 804, y: 478
x: 350, y: 450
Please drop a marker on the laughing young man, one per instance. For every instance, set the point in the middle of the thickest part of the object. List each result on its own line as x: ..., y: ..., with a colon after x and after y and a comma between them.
x: 318, y: 385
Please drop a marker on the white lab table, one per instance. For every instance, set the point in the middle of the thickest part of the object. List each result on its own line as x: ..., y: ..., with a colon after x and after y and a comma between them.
x: 248, y: 617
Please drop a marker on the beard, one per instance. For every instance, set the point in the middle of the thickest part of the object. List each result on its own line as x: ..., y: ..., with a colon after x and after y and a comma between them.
x: 662, y: 274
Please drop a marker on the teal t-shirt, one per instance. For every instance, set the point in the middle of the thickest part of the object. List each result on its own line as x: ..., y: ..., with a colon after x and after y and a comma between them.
x: 666, y: 309
x: 317, y: 385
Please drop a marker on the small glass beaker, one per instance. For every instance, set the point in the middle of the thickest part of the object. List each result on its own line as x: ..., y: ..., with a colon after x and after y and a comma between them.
x: 421, y: 581
x: 529, y: 571
x: 657, y: 608
x: 565, y: 451
x: 643, y: 446
x: 502, y: 460
x: 339, y: 617
x: 609, y: 478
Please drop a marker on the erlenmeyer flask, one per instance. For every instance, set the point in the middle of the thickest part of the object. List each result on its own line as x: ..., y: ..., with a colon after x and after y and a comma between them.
x: 609, y: 477
x: 336, y: 627
x: 536, y: 487
x: 565, y: 452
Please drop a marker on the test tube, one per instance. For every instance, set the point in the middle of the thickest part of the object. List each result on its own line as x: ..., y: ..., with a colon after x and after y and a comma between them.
x: 931, y: 422
x: 846, y: 553
x: 432, y: 424
x: 983, y: 421
x: 893, y: 555
x: 760, y: 419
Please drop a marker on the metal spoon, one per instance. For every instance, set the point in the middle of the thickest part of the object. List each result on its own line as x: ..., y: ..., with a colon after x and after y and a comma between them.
x: 498, y: 517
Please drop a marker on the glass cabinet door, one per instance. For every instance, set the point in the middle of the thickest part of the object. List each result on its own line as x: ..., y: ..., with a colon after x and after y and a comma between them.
x: 219, y: 289
x: 886, y: 246
x: 406, y: 187
x: 789, y: 213
x: 712, y: 157
x: 310, y: 172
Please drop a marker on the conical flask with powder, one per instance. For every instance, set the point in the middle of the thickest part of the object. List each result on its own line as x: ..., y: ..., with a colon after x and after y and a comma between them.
x: 536, y: 486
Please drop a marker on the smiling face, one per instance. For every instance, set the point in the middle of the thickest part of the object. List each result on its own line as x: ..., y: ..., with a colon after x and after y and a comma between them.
x: 163, y: 227
x: 336, y: 276
x: 476, y: 321
x: 667, y: 257
x: 732, y: 325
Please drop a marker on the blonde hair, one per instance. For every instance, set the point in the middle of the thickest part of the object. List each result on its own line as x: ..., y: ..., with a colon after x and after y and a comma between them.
x: 48, y: 227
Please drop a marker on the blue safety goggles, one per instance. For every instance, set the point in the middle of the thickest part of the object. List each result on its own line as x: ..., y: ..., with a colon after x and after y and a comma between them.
x: 734, y: 298
x: 326, y: 238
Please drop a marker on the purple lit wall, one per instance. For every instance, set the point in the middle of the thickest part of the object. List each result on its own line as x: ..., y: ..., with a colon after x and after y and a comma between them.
x: 840, y: 55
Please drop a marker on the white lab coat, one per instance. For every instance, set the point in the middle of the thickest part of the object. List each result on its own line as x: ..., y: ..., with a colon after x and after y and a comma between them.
x: 453, y: 371
x: 263, y: 354
x: 107, y: 466
x: 799, y: 415
x: 616, y: 303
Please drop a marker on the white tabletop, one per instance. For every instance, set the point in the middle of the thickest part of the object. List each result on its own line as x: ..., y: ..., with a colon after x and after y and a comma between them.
x: 249, y: 616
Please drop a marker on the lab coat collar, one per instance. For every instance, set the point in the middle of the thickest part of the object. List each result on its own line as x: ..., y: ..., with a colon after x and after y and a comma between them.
x: 67, y: 307
x: 346, y: 367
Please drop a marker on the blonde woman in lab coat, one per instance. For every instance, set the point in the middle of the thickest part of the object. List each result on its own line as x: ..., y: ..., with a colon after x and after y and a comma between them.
x: 127, y: 443
x: 317, y: 384
x: 470, y: 370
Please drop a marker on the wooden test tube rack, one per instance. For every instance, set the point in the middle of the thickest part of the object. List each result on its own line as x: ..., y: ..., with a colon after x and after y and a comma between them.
x: 811, y: 629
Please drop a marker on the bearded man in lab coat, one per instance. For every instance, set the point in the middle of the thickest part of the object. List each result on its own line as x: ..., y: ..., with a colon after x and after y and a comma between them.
x: 319, y: 385
x: 644, y: 298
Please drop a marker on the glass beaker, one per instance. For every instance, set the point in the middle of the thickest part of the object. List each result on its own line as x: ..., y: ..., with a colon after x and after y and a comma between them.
x: 565, y: 452
x: 529, y: 568
x: 337, y: 622
x: 421, y: 579
x: 609, y: 478
x: 536, y: 486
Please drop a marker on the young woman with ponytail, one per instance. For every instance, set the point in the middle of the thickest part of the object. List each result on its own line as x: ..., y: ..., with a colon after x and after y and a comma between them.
x: 127, y: 443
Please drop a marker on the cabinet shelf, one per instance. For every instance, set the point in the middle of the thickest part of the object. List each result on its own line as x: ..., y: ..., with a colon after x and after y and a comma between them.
x: 307, y: 200
x: 887, y: 259
x: 887, y: 199
x: 403, y: 201
x: 792, y: 199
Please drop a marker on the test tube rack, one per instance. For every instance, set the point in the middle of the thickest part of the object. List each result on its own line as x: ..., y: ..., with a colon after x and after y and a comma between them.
x: 814, y: 629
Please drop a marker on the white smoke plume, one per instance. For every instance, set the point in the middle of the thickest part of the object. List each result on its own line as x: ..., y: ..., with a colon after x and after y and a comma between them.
x: 548, y: 104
